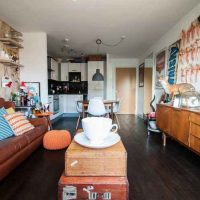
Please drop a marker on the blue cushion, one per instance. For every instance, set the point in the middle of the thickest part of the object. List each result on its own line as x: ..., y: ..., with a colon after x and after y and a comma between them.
x: 5, y: 130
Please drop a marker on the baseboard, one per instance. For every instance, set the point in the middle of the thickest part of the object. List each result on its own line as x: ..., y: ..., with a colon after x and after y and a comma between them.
x: 70, y: 115
x: 56, y: 118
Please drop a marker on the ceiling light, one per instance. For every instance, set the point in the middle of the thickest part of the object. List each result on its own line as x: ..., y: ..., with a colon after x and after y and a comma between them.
x: 99, y: 41
x: 98, y: 76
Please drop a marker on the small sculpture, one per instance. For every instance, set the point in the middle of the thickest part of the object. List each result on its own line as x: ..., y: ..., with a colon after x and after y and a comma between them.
x: 175, y: 88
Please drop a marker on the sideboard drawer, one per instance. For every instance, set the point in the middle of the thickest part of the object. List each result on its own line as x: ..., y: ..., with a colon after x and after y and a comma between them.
x: 195, y: 143
x: 195, y: 118
x: 195, y: 130
x: 195, y: 133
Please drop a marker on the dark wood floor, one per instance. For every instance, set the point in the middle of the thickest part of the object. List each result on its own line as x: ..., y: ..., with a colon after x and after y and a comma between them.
x: 154, y: 172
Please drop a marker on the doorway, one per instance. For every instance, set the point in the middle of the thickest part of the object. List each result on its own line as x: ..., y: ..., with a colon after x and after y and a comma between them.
x: 125, y: 89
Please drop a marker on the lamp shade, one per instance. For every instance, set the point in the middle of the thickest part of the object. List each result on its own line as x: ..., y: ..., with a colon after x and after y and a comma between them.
x: 98, y: 76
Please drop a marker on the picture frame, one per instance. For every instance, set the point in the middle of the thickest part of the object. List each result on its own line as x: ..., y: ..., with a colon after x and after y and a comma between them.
x: 160, y: 62
x: 34, y: 87
x: 141, y: 75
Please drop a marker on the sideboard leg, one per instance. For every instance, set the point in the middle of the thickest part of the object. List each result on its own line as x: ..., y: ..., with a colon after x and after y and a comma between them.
x: 164, y: 139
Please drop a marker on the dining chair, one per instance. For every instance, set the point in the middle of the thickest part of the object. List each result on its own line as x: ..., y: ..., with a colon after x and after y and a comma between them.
x: 96, y: 107
x: 116, y: 107
x: 79, y: 108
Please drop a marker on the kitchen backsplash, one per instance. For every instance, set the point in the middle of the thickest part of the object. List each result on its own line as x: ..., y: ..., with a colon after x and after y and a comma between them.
x: 66, y: 87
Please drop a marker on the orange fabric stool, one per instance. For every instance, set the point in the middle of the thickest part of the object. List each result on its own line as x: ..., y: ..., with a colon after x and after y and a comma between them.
x: 56, y: 139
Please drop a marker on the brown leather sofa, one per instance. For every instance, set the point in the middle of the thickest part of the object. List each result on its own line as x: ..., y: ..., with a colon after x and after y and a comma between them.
x: 14, y: 150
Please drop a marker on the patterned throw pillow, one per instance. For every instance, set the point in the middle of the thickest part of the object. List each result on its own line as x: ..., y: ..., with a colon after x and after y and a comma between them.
x: 10, y: 110
x: 18, y: 123
x: 5, y: 130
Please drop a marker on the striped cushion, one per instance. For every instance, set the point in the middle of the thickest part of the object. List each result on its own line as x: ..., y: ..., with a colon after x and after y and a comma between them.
x: 18, y: 123
x: 5, y: 130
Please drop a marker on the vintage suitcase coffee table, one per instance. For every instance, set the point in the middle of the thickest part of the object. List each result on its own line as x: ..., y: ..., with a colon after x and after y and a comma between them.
x: 91, y: 174
x: 91, y: 188
x: 83, y: 161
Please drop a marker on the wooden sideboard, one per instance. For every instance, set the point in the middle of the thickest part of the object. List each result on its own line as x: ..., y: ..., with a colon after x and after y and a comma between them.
x: 181, y: 124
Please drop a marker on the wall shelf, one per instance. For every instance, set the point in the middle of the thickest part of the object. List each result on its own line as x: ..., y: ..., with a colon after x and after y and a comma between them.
x: 10, y: 63
x: 10, y: 42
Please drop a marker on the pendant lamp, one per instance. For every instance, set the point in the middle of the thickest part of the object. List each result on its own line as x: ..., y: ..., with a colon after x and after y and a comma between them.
x: 98, y: 76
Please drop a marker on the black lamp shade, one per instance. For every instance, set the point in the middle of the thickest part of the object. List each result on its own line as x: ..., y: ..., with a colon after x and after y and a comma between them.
x: 98, y: 76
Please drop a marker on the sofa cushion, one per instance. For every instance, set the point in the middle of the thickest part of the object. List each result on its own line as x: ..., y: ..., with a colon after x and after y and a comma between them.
x: 10, y: 110
x: 6, y: 131
x: 11, y: 146
x: 18, y: 123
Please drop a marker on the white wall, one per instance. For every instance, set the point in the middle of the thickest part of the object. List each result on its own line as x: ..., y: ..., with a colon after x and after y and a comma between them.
x: 169, y: 38
x: 34, y: 59
x: 174, y: 33
x: 112, y: 64
x: 148, y: 63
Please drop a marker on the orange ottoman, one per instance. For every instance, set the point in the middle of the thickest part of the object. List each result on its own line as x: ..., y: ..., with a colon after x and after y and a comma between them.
x: 56, y: 139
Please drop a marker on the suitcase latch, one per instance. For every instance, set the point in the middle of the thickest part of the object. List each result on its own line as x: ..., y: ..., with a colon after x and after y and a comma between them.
x: 106, y: 196
x: 93, y: 195
x: 69, y: 192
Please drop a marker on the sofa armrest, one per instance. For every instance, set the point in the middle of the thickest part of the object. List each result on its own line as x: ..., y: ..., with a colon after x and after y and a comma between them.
x: 39, y: 121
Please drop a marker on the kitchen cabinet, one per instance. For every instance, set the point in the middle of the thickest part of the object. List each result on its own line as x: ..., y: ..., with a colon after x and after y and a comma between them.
x: 64, y: 71
x: 84, y: 71
x: 52, y: 69
x: 68, y: 102
x: 74, y: 67
x: 63, y: 103
x: 71, y: 105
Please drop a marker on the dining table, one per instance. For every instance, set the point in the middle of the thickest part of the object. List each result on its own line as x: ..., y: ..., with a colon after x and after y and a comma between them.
x: 107, y: 103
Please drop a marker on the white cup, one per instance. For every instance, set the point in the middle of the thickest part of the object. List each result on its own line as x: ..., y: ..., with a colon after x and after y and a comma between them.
x: 97, y: 129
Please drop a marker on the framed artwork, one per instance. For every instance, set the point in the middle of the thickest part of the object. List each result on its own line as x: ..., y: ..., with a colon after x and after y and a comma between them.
x: 160, y: 67
x: 34, y: 87
x: 189, y: 56
x: 141, y: 75
x: 173, y: 62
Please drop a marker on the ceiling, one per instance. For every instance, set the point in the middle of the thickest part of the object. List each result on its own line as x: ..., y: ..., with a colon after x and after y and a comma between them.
x: 143, y: 22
